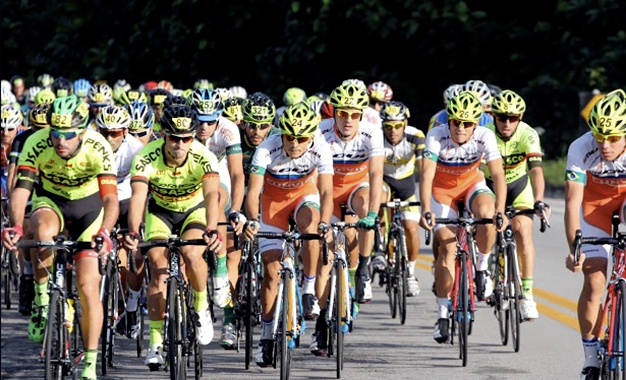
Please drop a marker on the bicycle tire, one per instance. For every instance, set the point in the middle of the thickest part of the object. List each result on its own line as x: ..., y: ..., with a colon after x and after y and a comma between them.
x: 54, y: 342
x: 6, y: 281
x: 284, y: 351
x: 174, y: 333
x: 500, y: 299
x: 515, y: 298
x: 139, y: 340
x: 249, y: 309
x: 463, y: 310
x: 340, y: 313
x: 113, y: 315
x: 391, y: 279
x: 616, y: 363
x: 403, y: 273
x: 197, y: 360
x: 14, y: 265
x: 106, y: 310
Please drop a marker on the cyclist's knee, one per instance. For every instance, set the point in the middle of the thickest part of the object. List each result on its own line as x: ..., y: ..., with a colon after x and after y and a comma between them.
x: 308, y: 219
x: 483, y: 206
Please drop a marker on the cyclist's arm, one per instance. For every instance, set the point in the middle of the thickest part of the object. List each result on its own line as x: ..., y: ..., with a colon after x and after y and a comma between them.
x: 499, y: 183
x: 137, y: 205
x: 325, y: 187
x: 376, y: 182
x: 237, y: 179
x: 111, y: 204
x: 210, y: 190
x: 538, y: 182
x: 573, y: 202
x: 17, y: 205
x: 255, y: 184
x: 429, y: 167
x: 12, y: 177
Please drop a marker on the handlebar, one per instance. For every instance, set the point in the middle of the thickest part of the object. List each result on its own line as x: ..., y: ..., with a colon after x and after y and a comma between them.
x: 463, y: 222
x: 396, y: 203
x: 579, y: 240
x: 59, y: 241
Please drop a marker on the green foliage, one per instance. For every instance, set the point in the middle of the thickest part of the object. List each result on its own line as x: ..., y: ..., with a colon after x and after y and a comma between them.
x: 554, y: 171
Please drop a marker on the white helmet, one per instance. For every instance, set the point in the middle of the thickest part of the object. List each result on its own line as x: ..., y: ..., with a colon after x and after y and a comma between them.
x: 480, y: 89
x: 238, y: 92
x: 113, y: 117
x: 11, y: 116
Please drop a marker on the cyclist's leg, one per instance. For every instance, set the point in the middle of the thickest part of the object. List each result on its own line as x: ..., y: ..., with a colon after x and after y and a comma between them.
x: 359, y: 203
x: 385, y: 214
x: 481, y: 201
x: 27, y: 289
x: 410, y: 222
x: 307, y: 217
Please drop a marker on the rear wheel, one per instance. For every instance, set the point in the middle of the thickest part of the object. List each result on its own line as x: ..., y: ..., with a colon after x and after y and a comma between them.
x: 177, y: 365
x: 616, y: 365
x: 249, y: 310
x: 340, y: 313
x: 107, y: 310
x: 500, y: 299
x: 391, y: 274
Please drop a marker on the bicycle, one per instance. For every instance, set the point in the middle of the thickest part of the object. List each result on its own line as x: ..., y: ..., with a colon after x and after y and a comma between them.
x: 9, y: 265
x: 180, y: 316
x: 612, y: 347
x: 396, y: 273
x: 507, y: 283
x: 62, y: 342
x: 462, y: 296
x: 289, y: 322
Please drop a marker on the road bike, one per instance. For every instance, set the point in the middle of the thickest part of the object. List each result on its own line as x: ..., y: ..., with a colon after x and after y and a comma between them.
x: 9, y: 265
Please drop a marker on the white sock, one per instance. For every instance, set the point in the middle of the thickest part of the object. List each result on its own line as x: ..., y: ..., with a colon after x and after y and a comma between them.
x: 309, y: 285
x: 442, y: 309
x: 591, y: 353
x: 133, y: 300
x: 266, y: 329
x: 483, y: 261
x: 28, y: 267
x: 412, y: 268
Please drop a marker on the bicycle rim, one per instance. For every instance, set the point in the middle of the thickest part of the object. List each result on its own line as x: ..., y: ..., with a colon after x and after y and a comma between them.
x: 499, y: 300
x: 402, y: 279
x: 249, y: 300
x: 617, y: 365
x: 113, y: 312
x: 6, y: 280
x: 54, y: 339
x: 463, y: 310
x: 284, y: 351
x: 174, y: 348
x: 140, y: 318
x: 106, y: 312
x: 515, y: 299
x: 392, y: 285
x: 340, y: 314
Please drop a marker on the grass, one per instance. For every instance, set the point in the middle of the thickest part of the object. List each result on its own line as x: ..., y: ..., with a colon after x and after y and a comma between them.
x: 554, y: 171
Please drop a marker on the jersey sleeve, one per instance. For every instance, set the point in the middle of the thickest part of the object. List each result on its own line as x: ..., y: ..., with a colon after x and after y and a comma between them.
x: 104, y: 162
x: 533, y: 148
x: 432, y: 146
x: 231, y: 138
x: 261, y: 159
x: 575, y: 170
x: 377, y: 144
x: 417, y: 138
x: 490, y: 145
x: 325, y: 165
x: 141, y: 167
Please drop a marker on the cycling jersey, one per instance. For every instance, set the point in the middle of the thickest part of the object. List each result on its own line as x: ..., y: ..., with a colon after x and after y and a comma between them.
x: 247, y: 150
x: 372, y: 116
x: 18, y: 145
x: 124, y: 159
x: 175, y: 189
x: 400, y: 158
x: 521, y: 151
x: 433, y: 119
x: 72, y: 178
x: 441, y: 118
x: 225, y: 139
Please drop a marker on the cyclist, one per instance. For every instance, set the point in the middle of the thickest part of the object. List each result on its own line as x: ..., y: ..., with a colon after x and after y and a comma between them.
x: 81, y: 89
x: 100, y: 96
x: 292, y: 96
x: 403, y: 153
x: 203, y: 83
x: 358, y: 159
x: 291, y: 174
x: 45, y: 80
x: 238, y: 92
x: 449, y: 175
x: 62, y: 87
x: 595, y: 184
x: 45, y: 96
x: 81, y: 198
x: 520, y: 148
x: 379, y: 93
x: 482, y: 92
x: 233, y: 110
x: 180, y: 175
x: 142, y: 121
x: 157, y: 97
x: 11, y: 121
x: 18, y: 88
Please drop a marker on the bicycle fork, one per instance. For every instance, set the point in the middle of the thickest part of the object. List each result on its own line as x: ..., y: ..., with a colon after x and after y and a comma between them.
x: 287, y: 271
x: 346, y: 317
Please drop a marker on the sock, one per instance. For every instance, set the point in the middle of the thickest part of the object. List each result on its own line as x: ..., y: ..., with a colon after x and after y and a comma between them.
x: 42, y: 298
x: 229, y: 316
x: 309, y: 285
x: 28, y: 267
x: 156, y: 336
x: 222, y: 270
x: 442, y: 307
x: 266, y: 329
x: 352, y: 273
x: 200, y: 301
x: 412, y: 268
x: 527, y: 287
x: 133, y: 300
x: 362, y: 267
x: 591, y: 353
x: 89, y: 368
x: 483, y: 261
x: 320, y: 324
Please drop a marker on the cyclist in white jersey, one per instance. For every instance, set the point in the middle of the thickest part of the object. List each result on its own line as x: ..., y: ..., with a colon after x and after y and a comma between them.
x: 379, y: 94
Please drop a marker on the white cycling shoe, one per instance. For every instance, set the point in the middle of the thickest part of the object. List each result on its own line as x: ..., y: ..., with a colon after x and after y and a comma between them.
x: 529, y: 310
x: 154, y: 358
x: 204, y: 330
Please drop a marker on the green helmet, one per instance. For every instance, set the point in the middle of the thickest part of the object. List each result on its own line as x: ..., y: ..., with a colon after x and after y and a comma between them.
x: 45, y: 96
x: 349, y: 95
x: 299, y: 121
x: 259, y: 108
x: 68, y: 112
x: 465, y: 107
x: 293, y: 95
x: 508, y: 102
x: 608, y: 115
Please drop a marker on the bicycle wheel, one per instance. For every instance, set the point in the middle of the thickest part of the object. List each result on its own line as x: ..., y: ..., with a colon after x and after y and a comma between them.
x: 249, y: 310
x: 515, y: 297
x: 54, y: 341
x: 140, y: 321
x: 340, y: 313
x: 463, y: 311
x: 176, y: 363
x: 500, y: 298
x: 402, y: 272
x: 616, y: 364
x: 6, y: 281
x: 391, y: 277
x: 107, y: 309
x: 113, y: 314
x: 285, y: 353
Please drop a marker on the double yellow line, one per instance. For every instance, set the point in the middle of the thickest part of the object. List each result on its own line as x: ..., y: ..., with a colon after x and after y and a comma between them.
x: 549, y: 304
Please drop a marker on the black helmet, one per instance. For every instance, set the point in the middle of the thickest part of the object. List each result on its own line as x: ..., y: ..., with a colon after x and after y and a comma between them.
x: 179, y: 119
x: 172, y: 100
x: 62, y: 87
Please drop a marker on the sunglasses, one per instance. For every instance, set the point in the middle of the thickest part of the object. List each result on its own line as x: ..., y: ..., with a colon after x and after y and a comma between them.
x: 612, y: 138
x: 175, y: 139
x: 392, y: 126
x: 261, y: 126
x: 209, y: 123
x: 300, y: 139
x: 139, y: 134
x: 352, y: 115
x: 115, y: 133
x: 65, y: 135
x: 465, y: 124
x: 503, y: 118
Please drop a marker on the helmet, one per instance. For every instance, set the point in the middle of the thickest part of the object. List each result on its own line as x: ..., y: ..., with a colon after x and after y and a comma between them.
x: 452, y: 91
x: 174, y: 100
x: 17, y: 80
x: 316, y: 105
x: 481, y: 90
x: 238, y: 91
x: 158, y: 96
x: 380, y: 91
x: 11, y: 116
x: 141, y: 115
x: 62, y: 87
x: 465, y: 107
x: 179, y: 119
x: 493, y: 89
x: 121, y: 83
x: 7, y: 96
x: 132, y: 95
x: 259, y: 108
x: 394, y: 110
x: 321, y: 95
x: 299, y: 120
x: 6, y: 85
x: 81, y: 87
x: 38, y: 116
x: 357, y: 82
x: 207, y: 103
x: 45, y: 96
x: 327, y: 110
x: 608, y: 115
x: 508, y: 102
x: 150, y: 85
x: 312, y: 98
x: 113, y: 117
x: 294, y: 95
x: 165, y: 85
x: 32, y: 93
x: 203, y: 83
x: 45, y: 80
x: 233, y: 109
x: 223, y: 92
x: 100, y: 95
x: 349, y: 95
x: 68, y: 112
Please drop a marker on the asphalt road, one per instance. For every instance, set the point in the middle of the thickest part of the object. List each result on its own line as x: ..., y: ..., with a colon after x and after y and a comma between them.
x: 379, y: 347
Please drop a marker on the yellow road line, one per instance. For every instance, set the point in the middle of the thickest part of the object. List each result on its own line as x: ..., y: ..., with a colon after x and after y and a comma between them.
x: 558, y: 316
x: 556, y: 299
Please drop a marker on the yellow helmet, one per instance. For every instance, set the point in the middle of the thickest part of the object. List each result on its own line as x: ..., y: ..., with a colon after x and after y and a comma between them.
x: 508, y: 102
x: 608, y: 115
x: 465, y: 107
x: 299, y: 120
x: 349, y: 95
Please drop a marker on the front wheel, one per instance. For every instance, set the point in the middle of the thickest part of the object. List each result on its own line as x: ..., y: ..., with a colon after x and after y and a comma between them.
x: 463, y: 311
x: 177, y: 365
x: 285, y: 352
x: 55, y: 339
x: 341, y: 316
x: 402, y: 272
x: 500, y: 297
x: 515, y: 298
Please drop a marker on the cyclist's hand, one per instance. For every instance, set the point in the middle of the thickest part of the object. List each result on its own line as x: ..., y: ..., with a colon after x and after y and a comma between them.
x: 569, y: 262
x: 505, y: 221
x: 10, y: 236
x: 539, y: 205
x: 368, y: 222
x: 252, y: 227
x: 237, y: 220
x: 425, y: 223
x: 107, y: 243
x: 324, y: 229
x: 213, y: 239
x: 131, y: 241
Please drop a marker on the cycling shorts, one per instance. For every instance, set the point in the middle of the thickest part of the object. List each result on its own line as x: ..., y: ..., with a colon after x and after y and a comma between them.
x: 122, y: 219
x: 222, y: 169
x: 403, y: 189
x: 448, y: 208
x: 162, y: 223
x: 344, y: 194
x: 275, y: 216
x: 595, y: 220
x: 519, y: 193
